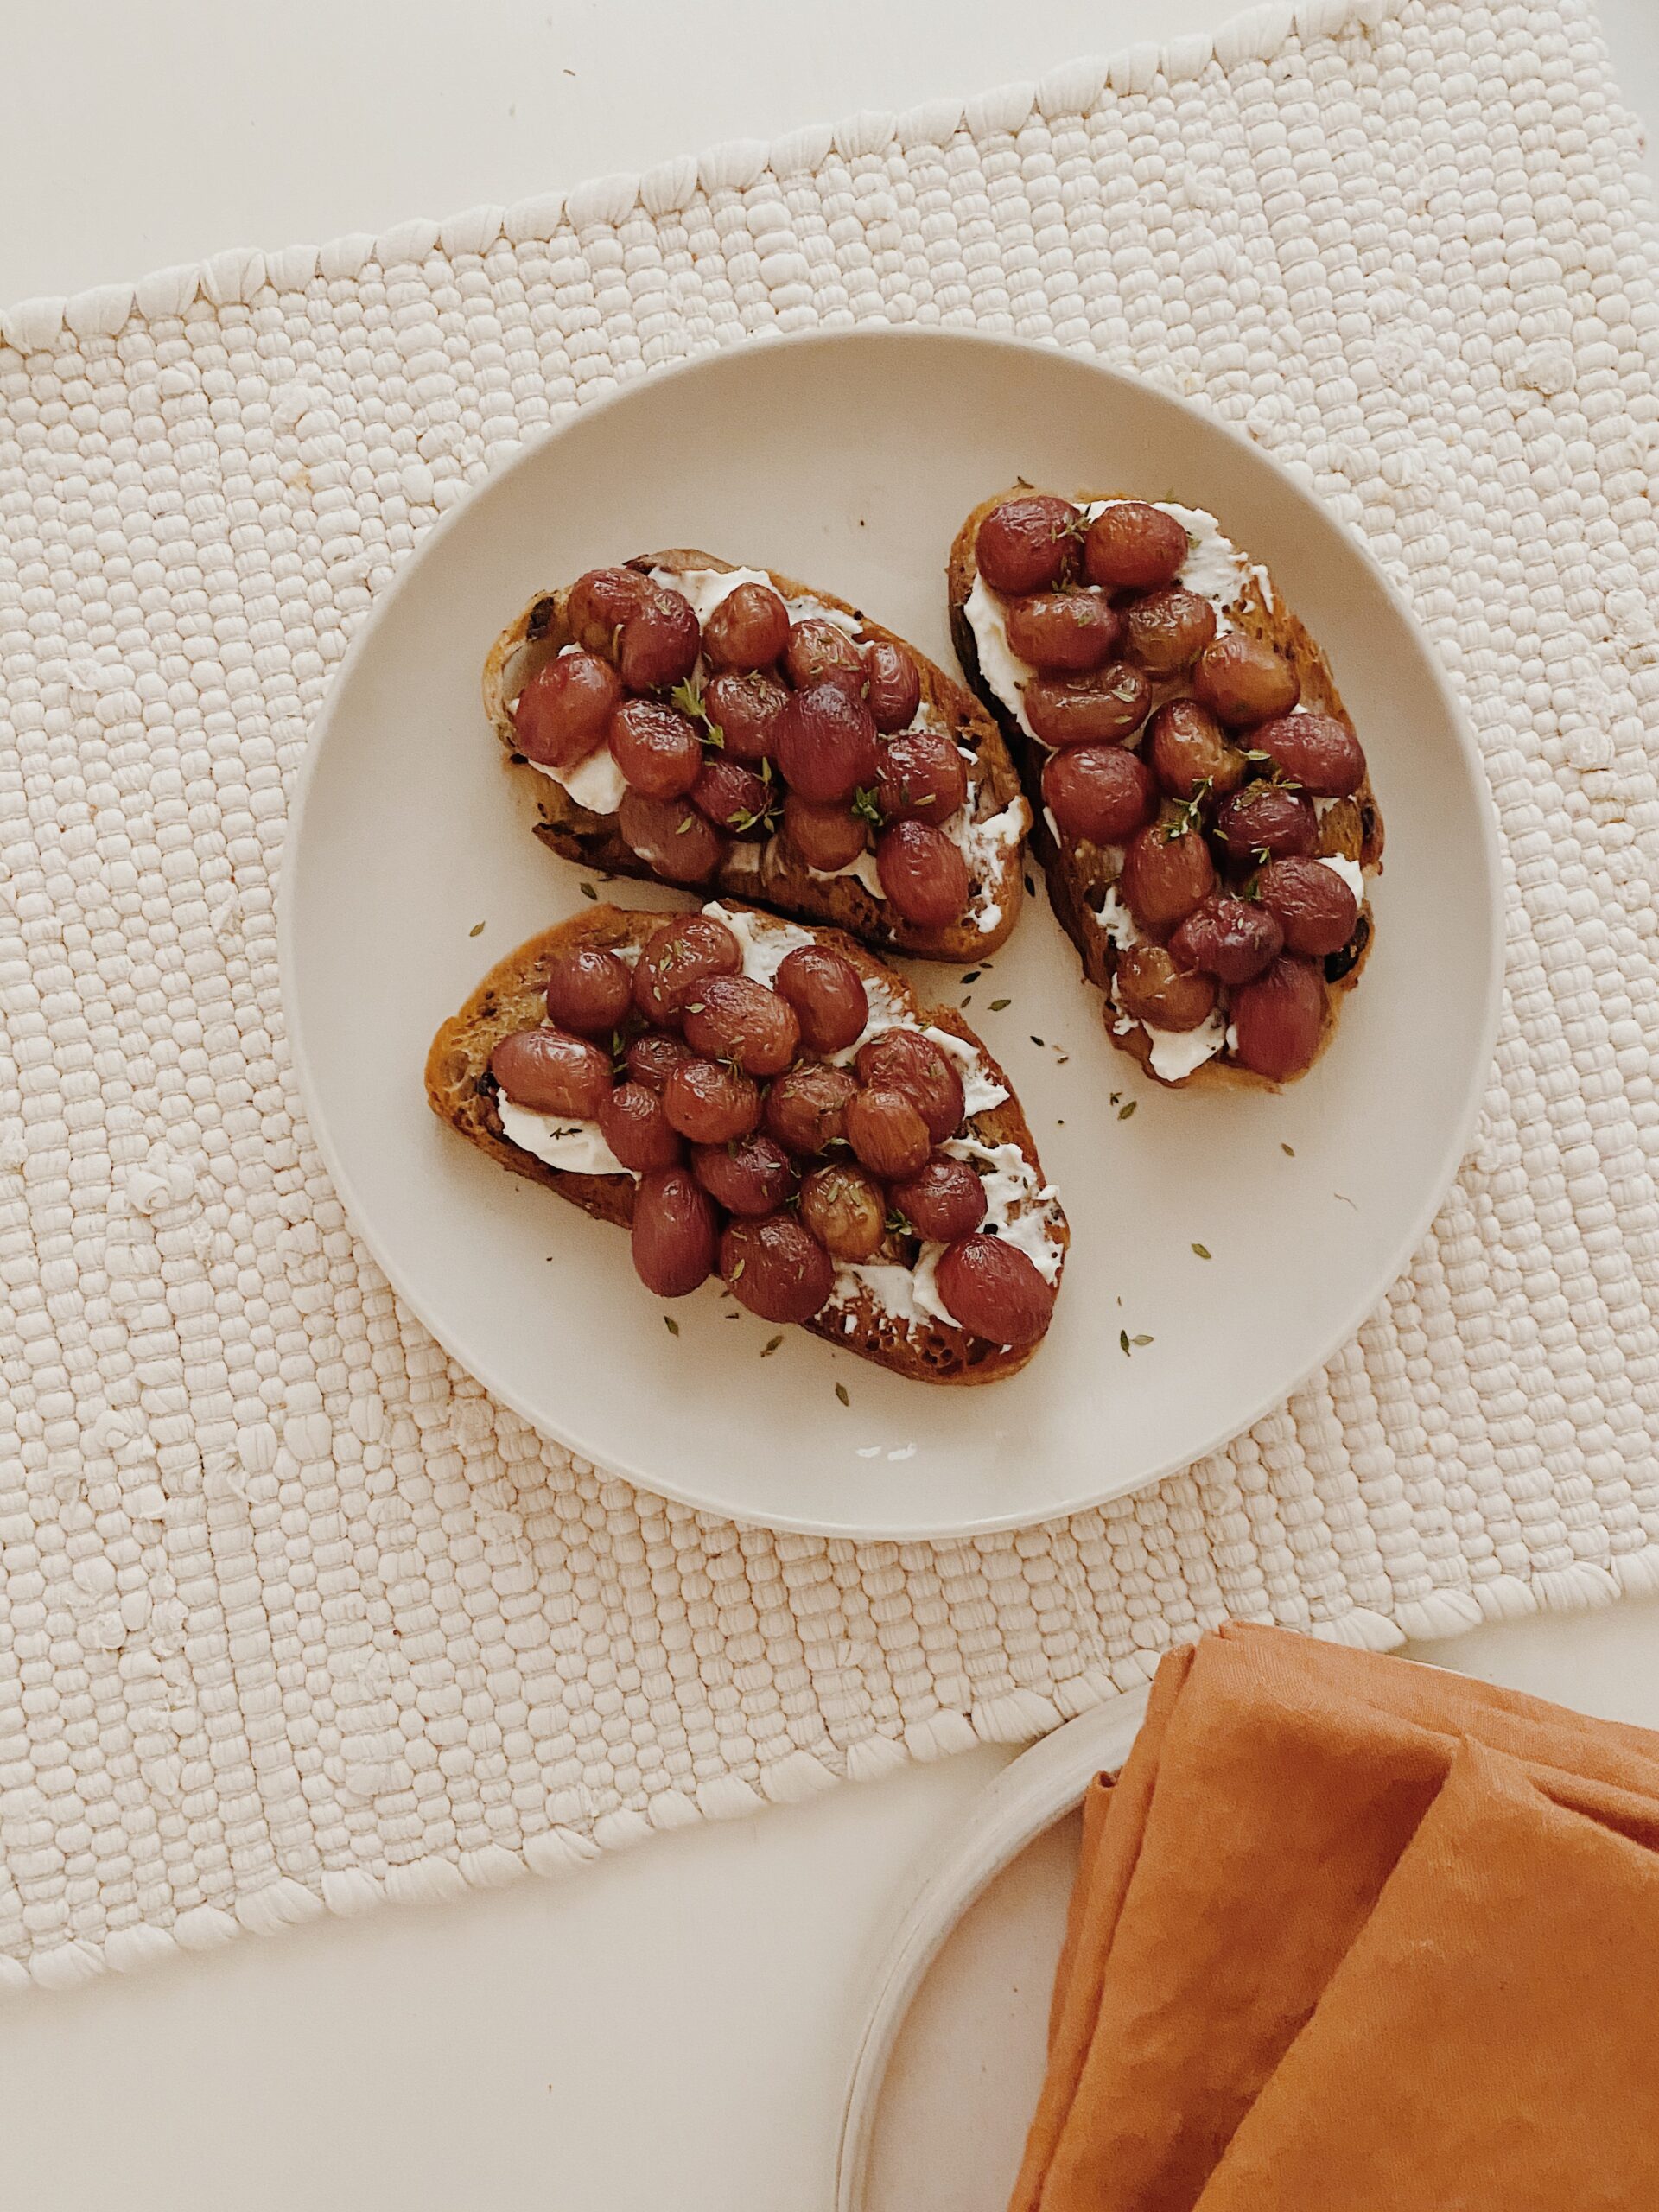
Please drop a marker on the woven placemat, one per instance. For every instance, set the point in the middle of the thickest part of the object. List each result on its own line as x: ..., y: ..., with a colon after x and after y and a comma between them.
x: 294, y: 1616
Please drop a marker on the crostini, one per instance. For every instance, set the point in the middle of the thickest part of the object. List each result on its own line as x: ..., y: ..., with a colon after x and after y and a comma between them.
x: 757, y: 1099
x: 704, y: 725
x: 1205, y: 813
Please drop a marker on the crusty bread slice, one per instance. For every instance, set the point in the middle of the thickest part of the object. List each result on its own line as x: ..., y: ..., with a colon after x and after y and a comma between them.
x: 768, y: 874
x: 462, y: 1091
x: 1078, y: 875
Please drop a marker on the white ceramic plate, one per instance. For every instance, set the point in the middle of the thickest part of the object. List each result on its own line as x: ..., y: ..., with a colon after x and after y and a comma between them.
x: 850, y: 459
x: 950, y: 2058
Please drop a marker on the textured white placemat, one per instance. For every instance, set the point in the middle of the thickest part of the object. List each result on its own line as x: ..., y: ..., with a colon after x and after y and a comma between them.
x: 292, y: 1616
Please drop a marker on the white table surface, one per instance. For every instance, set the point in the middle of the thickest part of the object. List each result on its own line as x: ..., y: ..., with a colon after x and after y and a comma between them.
x: 670, y: 2029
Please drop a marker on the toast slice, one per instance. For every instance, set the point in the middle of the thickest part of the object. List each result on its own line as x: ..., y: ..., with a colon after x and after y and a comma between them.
x: 866, y: 1313
x: 991, y: 830
x: 1080, y: 874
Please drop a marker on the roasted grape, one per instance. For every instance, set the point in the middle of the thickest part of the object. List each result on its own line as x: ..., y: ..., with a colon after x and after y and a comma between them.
x: 994, y: 1291
x: 1167, y: 870
x: 1167, y: 630
x: 886, y: 1133
x: 657, y: 748
x: 817, y: 648
x: 1100, y: 793
x: 1098, y: 709
x: 1231, y: 940
x: 945, y: 1199
x: 1278, y: 1019
x: 1311, y: 903
x: 924, y: 876
x: 659, y: 642
x: 776, y: 1268
x: 1267, y: 818
x: 652, y: 1058
x: 734, y: 1018
x: 1132, y: 546
x: 826, y: 744
x: 827, y: 996
x: 1188, y: 754
x: 744, y: 709
x: 1023, y: 543
x: 678, y: 960
x: 601, y: 602
x: 826, y: 837
x: 843, y: 1206
x: 806, y: 1107
x: 894, y: 684
x: 1316, y: 750
x: 1064, y: 633
x: 922, y: 778
x: 751, y: 1176
x: 563, y: 712
x: 747, y: 630
x: 632, y: 1123
x: 736, y: 799
x: 588, y: 990
x: 674, y: 1232
x: 549, y: 1071
x: 709, y: 1103
x: 1243, y: 681
x: 1149, y: 986
x: 906, y: 1061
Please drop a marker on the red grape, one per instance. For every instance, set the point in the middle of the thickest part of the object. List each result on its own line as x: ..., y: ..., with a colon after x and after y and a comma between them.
x: 1242, y: 681
x: 671, y: 836
x: 843, y: 1207
x: 906, y: 1061
x: 563, y: 712
x: 1165, y: 877
x: 1231, y: 940
x: 1167, y: 630
x: 678, y: 959
x: 1316, y: 750
x: 588, y: 990
x: 1063, y: 632
x: 1150, y: 987
x: 1279, y: 1019
x: 744, y: 709
x: 751, y: 1176
x: 1095, y: 710
x: 827, y: 996
x: 1186, y: 749
x: 673, y: 1232
x: 657, y: 748
x: 806, y: 1106
x: 944, y: 1200
x: 776, y: 1268
x: 732, y: 797
x: 828, y: 837
x: 1100, y: 793
x: 924, y: 876
x: 994, y: 1291
x: 735, y: 1018
x: 894, y: 685
x: 1267, y: 818
x: 660, y: 642
x: 1311, y: 903
x: 633, y: 1124
x: 826, y: 744
x: 747, y: 630
x: 818, y: 648
x: 923, y: 777
x: 1132, y: 546
x: 549, y: 1071
x: 709, y: 1103
x: 1023, y: 542
x: 886, y: 1133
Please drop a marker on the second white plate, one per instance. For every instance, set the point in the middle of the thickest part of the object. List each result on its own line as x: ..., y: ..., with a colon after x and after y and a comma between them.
x: 849, y: 461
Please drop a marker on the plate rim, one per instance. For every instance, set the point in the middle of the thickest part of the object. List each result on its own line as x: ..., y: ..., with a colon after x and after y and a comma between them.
x: 715, y: 359
x: 1026, y: 1800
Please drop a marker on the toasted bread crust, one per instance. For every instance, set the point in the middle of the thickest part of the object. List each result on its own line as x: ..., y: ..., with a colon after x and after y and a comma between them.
x: 769, y: 876
x: 460, y: 1091
x: 1352, y: 830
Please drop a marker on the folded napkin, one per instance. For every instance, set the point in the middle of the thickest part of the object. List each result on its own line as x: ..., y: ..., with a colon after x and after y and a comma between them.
x: 1349, y: 1932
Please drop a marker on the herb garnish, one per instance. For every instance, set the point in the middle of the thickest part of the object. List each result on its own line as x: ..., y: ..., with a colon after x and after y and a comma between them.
x: 840, y: 1392
x: 771, y: 1345
x: 587, y: 890
x: 688, y: 699
x: 477, y: 930
x: 1189, y: 817
x: 1289, y: 1150
x: 867, y: 805
x: 997, y: 1004
x: 1203, y: 1251
x: 1124, y: 1112
x: 671, y: 1325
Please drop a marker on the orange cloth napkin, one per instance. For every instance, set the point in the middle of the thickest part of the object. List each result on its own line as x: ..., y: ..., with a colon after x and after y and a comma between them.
x: 1353, y: 1933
